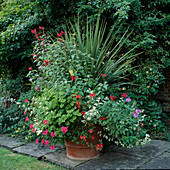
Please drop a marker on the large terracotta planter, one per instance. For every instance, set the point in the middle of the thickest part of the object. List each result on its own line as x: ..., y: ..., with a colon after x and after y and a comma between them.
x: 81, y: 151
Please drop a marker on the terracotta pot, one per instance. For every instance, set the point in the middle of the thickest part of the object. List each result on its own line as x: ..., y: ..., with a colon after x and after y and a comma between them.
x: 81, y: 151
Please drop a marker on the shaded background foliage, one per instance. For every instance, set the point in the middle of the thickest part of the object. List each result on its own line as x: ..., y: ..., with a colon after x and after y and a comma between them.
x: 148, y: 18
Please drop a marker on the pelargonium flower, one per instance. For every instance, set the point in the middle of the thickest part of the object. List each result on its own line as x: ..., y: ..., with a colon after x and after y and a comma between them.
x: 92, y: 95
x: 26, y: 100
x: 64, y: 129
x: 92, y: 137
x: 112, y: 97
x: 78, y: 96
x: 36, y: 88
x: 124, y: 95
x: 83, y: 113
x: 128, y: 99
x: 25, y: 112
x: 90, y: 131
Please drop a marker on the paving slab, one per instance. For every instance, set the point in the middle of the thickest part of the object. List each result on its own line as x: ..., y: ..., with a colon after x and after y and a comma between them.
x: 113, y: 160
x: 59, y: 157
x: 161, y: 162
x: 34, y: 150
x: 155, y: 148
x: 9, y: 142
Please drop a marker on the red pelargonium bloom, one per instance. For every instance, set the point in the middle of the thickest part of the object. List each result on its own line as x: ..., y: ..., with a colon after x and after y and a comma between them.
x: 92, y: 95
x: 33, y: 31
x: 78, y: 96
x: 59, y: 40
x: 25, y: 112
x: 112, y: 97
x: 73, y: 78
x: 40, y: 27
x: 124, y: 95
x: 30, y: 68
x: 64, y: 129
x: 102, y: 118
x: 83, y: 113
x: 26, y: 100
x: 90, y: 131
x: 37, y: 89
x: 92, y: 137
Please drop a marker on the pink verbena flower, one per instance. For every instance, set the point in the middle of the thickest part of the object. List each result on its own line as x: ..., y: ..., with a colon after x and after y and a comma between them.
x: 36, y: 141
x: 42, y: 141
x: 31, y: 126
x: 64, y: 129
x: 128, y: 99
x: 33, y: 130
x: 52, y: 134
x: 136, y: 113
x: 45, y: 122
x: 46, y: 142
x: 45, y: 132
x: 26, y: 119
x: 52, y: 147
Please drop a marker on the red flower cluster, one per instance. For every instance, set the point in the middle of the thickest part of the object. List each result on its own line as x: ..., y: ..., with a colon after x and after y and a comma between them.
x: 124, y: 95
x: 83, y: 113
x: 34, y: 31
x: 83, y: 138
x: 112, y: 97
x: 90, y: 131
x: 73, y: 78
x: 30, y: 68
x: 99, y: 147
x: 78, y: 104
x: 78, y: 96
x: 47, y: 62
x: 102, y: 118
x: 103, y: 75
x: 142, y: 124
x: 60, y: 34
x: 92, y: 95
x: 25, y: 112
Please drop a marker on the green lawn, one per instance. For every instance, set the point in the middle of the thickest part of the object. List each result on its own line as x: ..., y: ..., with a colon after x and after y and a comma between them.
x: 11, y: 161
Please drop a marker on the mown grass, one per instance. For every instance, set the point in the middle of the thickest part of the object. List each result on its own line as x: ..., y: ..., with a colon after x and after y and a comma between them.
x: 13, y: 161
